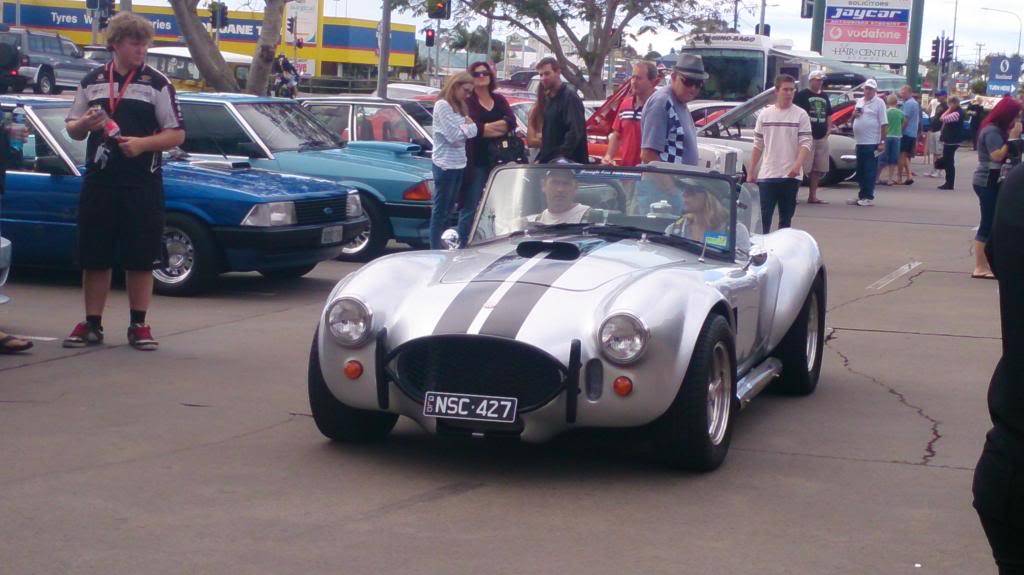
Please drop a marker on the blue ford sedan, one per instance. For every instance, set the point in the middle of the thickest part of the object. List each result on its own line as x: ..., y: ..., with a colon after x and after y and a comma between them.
x: 221, y: 215
x: 395, y: 185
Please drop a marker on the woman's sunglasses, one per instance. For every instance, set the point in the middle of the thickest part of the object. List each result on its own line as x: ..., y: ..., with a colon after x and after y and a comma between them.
x: 481, y: 74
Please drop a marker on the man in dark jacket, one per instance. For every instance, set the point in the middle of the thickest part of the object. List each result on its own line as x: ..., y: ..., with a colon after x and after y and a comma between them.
x: 564, y: 134
x: 999, y: 475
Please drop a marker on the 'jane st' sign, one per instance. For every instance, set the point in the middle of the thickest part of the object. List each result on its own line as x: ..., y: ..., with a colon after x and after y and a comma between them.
x: 871, y: 31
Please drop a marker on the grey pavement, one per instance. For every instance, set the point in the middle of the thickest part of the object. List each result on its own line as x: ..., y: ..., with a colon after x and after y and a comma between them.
x: 202, y: 457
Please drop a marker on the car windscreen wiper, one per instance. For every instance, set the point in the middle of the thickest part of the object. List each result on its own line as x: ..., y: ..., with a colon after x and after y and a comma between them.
x: 314, y: 145
x: 538, y: 227
x: 624, y: 231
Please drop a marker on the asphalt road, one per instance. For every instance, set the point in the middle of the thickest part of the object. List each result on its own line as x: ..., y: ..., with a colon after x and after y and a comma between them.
x: 202, y: 457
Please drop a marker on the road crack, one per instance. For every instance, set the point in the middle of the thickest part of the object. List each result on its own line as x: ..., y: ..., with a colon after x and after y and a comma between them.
x: 910, y: 282
x: 929, y: 449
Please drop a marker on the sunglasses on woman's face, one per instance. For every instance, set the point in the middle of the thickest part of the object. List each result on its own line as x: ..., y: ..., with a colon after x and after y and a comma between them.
x: 481, y: 74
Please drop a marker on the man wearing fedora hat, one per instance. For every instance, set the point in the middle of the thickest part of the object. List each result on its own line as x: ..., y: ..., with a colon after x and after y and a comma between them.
x: 667, y: 130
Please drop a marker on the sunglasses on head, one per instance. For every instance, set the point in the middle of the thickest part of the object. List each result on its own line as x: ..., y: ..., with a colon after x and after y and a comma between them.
x: 481, y: 74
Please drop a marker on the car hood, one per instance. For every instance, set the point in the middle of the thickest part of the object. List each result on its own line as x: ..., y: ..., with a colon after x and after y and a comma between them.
x: 378, y: 158
x: 247, y: 181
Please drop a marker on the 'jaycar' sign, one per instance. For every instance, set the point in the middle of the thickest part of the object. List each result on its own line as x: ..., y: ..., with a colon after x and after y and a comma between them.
x: 873, y: 31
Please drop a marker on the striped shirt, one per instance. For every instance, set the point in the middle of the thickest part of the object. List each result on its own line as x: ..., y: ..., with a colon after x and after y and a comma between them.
x: 450, y: 134
x: 779, y: 134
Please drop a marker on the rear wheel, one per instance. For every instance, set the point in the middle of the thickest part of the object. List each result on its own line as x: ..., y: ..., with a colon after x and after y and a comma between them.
x: 801, y: 349
x: 373, y: 240
x: 696, y: 430
x: 338, y: 421
x: 46, y: 83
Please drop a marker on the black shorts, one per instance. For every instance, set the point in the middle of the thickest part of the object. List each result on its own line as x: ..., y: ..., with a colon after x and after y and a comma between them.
x: 908, y: 145
x: 121, y: 224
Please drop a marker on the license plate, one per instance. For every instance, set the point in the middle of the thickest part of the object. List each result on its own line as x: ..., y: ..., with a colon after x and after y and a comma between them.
x: 473, y: 407
x: 332, y: 234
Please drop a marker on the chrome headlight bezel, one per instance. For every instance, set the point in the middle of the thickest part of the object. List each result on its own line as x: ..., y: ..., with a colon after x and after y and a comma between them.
x: 353, y: 205
x: 640, y: 332
x: 363, y: 313
x: 271, y: 214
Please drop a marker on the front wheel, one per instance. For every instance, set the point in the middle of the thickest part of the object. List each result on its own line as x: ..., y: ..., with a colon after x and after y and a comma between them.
x: 190, y: 258
x: 372, y: 241
x: 696, y: 430
x: 337, y: 421
x: 801, y: 349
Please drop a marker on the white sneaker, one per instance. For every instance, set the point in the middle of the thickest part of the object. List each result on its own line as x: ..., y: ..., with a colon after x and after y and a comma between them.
x: 865, y: 203
x: 853, y: 202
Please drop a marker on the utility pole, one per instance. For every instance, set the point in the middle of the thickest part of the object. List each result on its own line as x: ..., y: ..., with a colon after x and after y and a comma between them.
x: 764, y: 4
x: 383, y: 62
x: 818, y: 25
x: 735, y: 15
x: 914, y: 50
x: 980, y: 46
x: 95, y: 25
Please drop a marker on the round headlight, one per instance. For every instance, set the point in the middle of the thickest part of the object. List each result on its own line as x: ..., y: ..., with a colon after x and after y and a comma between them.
x: 623, y: 338
x: 349, y: 321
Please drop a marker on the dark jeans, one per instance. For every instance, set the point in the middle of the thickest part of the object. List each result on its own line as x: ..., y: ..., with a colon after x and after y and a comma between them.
x: 781, y: 192
x: 867, y: 170
x: 999, y: 500
x: 446, y: 188
x: 948, y: 164
x: 476, y: 179
x: 987, y: 198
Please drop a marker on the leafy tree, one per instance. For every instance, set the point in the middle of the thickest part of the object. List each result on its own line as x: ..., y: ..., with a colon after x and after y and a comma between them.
x: 653, y: 55
x: 979, y: 87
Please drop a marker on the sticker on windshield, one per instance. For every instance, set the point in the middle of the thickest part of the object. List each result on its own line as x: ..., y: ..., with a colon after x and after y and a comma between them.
x: 718, y: 240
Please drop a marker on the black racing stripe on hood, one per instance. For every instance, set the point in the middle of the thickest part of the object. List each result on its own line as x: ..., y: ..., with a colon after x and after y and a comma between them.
x: 460, y: 313
x: 509, y: 316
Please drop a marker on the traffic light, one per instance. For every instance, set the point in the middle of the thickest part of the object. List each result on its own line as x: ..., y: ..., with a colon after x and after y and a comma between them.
x: 429, y: 37
x: 935, y: 51
x: 947, y: 54
x: 105, y: 11
x: 218, y: 15
x: 439, y: 9
x: 291, y: 24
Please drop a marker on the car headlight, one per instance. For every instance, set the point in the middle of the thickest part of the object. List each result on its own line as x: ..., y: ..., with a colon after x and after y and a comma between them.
x: 271, y: 214
x: 353, y: 205
x: 623, y: 338
x: 349, y: 321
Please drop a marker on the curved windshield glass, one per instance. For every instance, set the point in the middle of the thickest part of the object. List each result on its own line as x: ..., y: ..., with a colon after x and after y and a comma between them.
x: 689, y: 209
x: 287, y: 126
x: 53, y: 121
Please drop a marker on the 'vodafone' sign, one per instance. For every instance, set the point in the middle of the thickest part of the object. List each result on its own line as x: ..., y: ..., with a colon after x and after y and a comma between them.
x: 871, y: 31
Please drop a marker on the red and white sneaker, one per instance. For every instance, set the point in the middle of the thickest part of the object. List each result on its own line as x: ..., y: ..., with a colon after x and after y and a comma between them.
x: 83, y: 335
x: 140, y: 337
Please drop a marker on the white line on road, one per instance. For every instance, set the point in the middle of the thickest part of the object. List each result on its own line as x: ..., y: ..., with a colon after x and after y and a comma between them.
x: 895, y: 275
x: 36, y: 337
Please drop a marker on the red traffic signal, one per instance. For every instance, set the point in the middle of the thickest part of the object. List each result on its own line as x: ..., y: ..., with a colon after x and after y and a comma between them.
x: 429, y: 37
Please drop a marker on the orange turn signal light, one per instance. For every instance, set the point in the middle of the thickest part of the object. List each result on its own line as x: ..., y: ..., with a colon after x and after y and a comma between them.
x: 623, y: 386
x: 353, y: 369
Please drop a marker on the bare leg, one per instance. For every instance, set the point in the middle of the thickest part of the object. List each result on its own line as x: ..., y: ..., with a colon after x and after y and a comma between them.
x: 96, y: 286
x: 140, y: 289
x: 814, y: 178
x: 981, y: 265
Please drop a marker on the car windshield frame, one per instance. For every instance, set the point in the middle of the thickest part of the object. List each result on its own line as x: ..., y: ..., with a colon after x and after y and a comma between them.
x: 271, y: 132
x: 604, y: 223
x: 50, y: 119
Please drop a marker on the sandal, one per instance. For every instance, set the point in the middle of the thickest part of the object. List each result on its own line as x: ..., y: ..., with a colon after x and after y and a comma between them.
x: 816, y: 201
x: 988, y: 276
x: 10, y: 344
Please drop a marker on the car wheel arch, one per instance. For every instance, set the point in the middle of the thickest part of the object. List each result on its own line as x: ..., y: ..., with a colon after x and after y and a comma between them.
x: 205, y: 221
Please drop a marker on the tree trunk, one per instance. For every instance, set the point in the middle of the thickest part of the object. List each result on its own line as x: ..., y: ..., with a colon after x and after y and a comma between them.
x: 270, y: 38
x: 205, y: 54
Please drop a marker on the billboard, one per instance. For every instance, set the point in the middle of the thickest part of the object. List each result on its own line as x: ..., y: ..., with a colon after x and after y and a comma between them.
x: 867, y: 31
x: 1003, y: 76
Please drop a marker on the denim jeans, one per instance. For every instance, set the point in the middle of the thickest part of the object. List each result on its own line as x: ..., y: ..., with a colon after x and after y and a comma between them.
x: 987, y: 199
x: 948, y: 162
x: 867, y: 170
x: 446, y: 189
x: 781, y: 192
x: 476, y: 179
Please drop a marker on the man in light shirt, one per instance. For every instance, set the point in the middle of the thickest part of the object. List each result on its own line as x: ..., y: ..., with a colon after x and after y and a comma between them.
x: 782, y: 143
x: 869, y: 125
x: 559, y: 187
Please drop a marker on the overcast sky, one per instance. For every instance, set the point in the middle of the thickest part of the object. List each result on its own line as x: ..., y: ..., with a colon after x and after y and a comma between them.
x: 998, y: 32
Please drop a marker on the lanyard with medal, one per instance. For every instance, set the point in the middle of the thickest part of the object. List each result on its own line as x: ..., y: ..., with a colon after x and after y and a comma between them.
x: 110, y: 129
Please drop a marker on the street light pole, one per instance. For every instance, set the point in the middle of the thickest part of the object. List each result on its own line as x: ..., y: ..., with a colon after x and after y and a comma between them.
x: 383, y: 61
x: 1020, y: 24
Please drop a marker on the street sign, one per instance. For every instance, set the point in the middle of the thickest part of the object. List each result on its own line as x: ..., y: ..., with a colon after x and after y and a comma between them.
x: 1003, y: 76
x: 877, y: 35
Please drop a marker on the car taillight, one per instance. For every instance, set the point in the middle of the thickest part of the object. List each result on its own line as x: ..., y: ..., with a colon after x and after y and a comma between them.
x: 420, y: 192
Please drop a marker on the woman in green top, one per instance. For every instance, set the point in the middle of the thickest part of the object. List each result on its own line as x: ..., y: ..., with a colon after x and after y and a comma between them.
x: 891, y: 158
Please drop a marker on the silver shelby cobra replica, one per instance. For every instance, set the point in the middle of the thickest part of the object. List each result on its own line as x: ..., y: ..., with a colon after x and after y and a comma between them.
x: 586, y: 297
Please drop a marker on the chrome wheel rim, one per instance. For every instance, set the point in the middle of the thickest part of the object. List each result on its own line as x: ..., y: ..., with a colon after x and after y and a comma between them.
x: 812, y: 333
x: 719, y: 393
x: 181, y: 257
x: 358, y: 243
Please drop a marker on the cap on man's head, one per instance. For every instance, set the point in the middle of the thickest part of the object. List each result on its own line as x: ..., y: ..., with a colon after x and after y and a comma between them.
x: 871, y: 83
x: 691, y: 66
x: 816, y: 75
x: 941, y: 93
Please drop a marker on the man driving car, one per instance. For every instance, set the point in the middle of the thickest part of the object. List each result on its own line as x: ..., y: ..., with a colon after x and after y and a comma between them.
x: 560, y: 187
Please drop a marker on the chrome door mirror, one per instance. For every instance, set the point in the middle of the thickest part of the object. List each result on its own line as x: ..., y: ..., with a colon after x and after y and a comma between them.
x: 451, y: 239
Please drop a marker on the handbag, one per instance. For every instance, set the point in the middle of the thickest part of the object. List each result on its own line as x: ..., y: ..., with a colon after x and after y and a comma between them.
x: 507, y: 149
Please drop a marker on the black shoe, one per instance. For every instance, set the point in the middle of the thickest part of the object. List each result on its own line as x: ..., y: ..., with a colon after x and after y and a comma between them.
x: 945, y: 187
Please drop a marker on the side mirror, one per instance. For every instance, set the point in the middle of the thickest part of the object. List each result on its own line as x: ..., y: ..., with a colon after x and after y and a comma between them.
x: 451, y: 239
x: 51, y: 165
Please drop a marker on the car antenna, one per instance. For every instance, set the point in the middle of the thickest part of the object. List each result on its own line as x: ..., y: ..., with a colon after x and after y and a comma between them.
x: 703, y: 249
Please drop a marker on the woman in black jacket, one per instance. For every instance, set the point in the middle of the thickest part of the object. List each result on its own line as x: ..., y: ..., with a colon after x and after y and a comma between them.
x: 952, y: 128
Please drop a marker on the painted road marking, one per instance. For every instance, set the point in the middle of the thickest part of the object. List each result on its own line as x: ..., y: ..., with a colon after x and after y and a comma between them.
x: 35, y: 337
x: 895, y: 275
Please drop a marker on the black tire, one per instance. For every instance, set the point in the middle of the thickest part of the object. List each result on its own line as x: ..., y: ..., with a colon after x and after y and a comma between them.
x: 800, y: 371
x: 337, y: 421
x: 832, y: 177
x: 379, y: 232
x: 45, y: 85
x: 191, y: 260
x: 3, y: 88
x: 288, y: 273
x: 682, y: 434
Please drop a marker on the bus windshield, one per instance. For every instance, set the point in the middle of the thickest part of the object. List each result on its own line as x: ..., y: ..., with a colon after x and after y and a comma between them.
x: 735, y: 75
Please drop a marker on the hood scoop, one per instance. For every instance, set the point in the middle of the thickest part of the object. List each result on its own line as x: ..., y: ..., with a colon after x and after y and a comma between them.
x: 565, y: 250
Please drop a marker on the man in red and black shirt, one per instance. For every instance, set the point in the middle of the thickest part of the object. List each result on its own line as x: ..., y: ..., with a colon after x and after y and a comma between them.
x: 130, y: 115
x: 625, y: 135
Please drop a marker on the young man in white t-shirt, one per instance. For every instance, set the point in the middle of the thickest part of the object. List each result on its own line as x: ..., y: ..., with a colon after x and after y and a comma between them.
x: 782, y: 143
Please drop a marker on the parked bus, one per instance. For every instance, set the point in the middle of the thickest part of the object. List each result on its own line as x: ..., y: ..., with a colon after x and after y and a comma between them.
x: 176, y: 63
